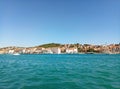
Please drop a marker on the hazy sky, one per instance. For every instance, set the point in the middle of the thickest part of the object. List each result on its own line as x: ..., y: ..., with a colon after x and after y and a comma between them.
x: 34, y: 22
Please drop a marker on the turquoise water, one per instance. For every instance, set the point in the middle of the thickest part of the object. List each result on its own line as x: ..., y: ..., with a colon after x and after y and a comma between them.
x: 83, y: 71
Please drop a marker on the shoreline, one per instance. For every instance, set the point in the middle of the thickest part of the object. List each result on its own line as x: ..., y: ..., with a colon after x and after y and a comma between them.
x: 64, y: 54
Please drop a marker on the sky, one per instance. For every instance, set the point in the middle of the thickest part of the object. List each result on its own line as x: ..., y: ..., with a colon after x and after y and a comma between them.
x: 35, y: 22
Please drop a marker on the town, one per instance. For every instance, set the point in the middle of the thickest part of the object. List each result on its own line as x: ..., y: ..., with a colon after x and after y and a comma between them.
x: 55, y: 48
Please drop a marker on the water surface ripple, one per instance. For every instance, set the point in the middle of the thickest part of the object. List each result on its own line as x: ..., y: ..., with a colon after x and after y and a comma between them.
x: 64, y: 71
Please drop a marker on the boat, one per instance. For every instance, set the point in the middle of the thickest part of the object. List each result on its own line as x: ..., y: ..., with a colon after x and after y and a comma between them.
x: 16, y: 54
x: 89, y: 53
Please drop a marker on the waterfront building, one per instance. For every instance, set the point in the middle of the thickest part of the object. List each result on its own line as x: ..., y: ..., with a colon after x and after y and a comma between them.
x: 11, y: 51
x: 56, y: 50
x: 71, y: 50
x: 47, y: 51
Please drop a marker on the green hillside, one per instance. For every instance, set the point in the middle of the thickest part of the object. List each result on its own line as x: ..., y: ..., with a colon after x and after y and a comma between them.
x: 50, y: 45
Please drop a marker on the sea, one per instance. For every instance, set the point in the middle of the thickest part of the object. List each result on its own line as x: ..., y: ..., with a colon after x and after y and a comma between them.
x: 60, y: 71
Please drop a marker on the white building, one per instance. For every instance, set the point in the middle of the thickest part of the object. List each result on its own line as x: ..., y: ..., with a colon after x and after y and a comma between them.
x: 56, y: 50
x: 11, y: 51
x: 71, y: 50
x: 47, y: 51
x: 24, y: 51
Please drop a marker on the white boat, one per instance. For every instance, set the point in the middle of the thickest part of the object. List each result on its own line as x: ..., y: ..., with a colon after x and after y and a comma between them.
x: 16, y: 54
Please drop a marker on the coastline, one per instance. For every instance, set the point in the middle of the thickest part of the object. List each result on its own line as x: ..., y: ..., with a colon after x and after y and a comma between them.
x: 54, y: 48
